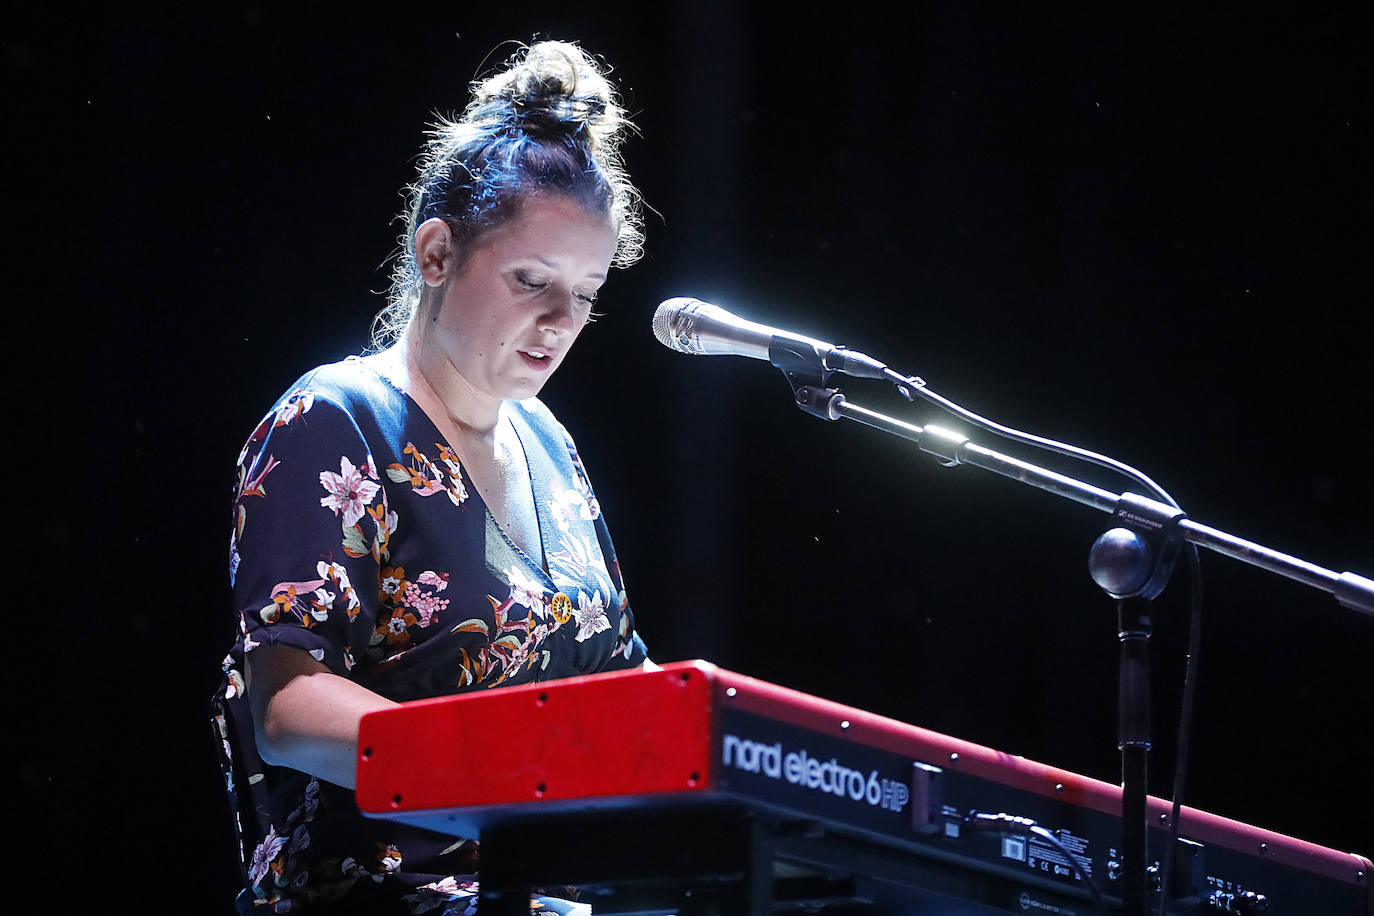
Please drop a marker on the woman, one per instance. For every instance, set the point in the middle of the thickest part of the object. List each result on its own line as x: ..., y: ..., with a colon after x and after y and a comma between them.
x: 414, y: 523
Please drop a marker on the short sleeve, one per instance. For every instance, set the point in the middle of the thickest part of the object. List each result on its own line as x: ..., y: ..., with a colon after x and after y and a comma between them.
x: 310, y: 518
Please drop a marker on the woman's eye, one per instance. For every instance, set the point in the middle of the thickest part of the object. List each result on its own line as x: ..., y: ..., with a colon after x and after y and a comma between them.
x: 587, y: 298
x: 528, y: 282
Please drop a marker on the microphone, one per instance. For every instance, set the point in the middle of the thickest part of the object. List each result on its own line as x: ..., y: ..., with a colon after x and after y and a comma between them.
x: 700, y: 329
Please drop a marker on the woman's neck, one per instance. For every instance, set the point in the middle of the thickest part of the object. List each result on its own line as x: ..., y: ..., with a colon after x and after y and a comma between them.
x: 442, y: 392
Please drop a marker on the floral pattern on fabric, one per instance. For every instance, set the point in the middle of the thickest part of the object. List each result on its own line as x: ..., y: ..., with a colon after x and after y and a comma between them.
x: 339, y: 549
x: 424, y: 476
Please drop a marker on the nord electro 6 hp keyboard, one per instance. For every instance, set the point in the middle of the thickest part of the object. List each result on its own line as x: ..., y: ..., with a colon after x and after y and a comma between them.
x: 695, y: 790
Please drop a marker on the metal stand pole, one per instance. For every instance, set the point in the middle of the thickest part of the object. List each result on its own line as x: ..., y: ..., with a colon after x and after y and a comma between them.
x: 1133, y: 738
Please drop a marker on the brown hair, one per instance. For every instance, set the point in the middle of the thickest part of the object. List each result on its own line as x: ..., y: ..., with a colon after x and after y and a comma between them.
x: 549, y: 122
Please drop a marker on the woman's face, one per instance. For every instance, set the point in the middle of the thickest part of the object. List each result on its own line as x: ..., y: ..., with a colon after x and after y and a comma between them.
x: 518, y: 298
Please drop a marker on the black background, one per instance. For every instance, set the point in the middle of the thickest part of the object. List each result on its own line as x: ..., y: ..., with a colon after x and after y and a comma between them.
x: 1147, y: 233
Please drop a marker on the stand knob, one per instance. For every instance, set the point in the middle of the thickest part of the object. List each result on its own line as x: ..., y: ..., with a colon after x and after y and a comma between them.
x: 1120, y: 562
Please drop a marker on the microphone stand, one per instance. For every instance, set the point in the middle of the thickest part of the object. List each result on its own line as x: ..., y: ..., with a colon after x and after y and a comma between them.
x: 1132, y: 563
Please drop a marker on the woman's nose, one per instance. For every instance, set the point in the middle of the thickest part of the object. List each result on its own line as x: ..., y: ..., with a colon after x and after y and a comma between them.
x: 558, y: 314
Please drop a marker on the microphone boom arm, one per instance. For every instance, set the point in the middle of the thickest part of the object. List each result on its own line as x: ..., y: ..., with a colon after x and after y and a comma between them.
x: 951, y: 449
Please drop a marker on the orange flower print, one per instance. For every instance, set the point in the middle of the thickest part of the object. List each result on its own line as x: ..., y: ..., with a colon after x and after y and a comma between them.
x: 391, y: 582
x: 281, y: 603
x: 399, y: 473
x: 457, y: 493
x: 425, y: 478
x: 395, y: 630
x: 389, y: 858
x: 385, y: 521
x: 339, y: 576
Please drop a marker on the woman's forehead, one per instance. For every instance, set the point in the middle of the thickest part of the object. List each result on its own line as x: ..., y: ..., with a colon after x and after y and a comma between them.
x: 544, y: 225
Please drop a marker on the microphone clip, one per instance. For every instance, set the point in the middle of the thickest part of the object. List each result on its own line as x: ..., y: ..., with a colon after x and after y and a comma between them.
x: 799, y: 360
x: 804, y: 367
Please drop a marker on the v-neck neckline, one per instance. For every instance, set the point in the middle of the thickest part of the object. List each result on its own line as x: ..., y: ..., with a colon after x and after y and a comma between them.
x: 538, y: 480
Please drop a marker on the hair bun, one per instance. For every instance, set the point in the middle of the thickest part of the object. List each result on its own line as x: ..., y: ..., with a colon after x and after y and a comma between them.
x: 549, y: 89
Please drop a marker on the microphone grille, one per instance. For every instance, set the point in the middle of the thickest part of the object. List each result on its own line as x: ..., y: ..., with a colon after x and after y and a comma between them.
x: 672, y: 327
x: 662, y: 316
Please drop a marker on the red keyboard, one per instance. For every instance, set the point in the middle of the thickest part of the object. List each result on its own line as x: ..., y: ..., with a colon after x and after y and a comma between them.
x: 840, y: 784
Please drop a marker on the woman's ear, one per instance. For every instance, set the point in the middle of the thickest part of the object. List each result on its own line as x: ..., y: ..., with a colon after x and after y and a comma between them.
x: 434, y: 251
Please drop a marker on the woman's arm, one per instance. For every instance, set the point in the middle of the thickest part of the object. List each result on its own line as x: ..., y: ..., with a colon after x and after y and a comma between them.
x: 305, y: 716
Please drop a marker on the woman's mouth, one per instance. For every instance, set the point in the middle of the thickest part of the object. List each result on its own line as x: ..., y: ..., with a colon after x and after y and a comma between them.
x: 537, y: 359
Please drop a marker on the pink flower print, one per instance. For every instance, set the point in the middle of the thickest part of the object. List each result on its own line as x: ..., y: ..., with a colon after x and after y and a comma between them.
x: 591, y: 615
x: 568, y: 505
x: 425, y: 606
x: 526, y: 591
x: 399, y: 473
x: 349, y: 493
x: 513, y: 652
x: 444, y: 895
x: 264, y: 855
x: 438, y: 580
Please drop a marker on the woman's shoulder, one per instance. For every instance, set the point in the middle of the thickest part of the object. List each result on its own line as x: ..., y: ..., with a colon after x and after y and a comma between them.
x: 347, y: 398
x: 352, y: 384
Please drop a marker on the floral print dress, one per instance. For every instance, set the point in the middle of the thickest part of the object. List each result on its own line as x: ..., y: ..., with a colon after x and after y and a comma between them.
x: 359, y: 538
